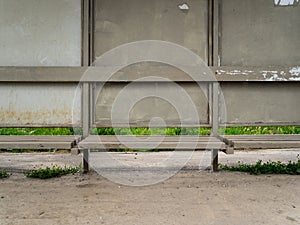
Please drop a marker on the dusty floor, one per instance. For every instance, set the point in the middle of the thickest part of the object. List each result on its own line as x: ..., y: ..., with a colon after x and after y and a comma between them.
x: 189, y: 197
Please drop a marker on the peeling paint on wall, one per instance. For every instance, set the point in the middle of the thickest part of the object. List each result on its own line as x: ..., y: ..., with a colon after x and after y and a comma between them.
x: 275, y: 77
x: 287, y: 74
x: 234, y: 72
x: 184, y: 7
x: 295, y: 71
x: 269, y: 75
x: 294, y: 78
x: 286, y: 2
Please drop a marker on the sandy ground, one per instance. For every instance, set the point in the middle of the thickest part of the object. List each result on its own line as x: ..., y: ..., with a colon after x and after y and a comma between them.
x: 191, y: 196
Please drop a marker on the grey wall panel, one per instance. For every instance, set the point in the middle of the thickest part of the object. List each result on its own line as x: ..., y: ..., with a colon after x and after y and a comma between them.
x: 258, y: 33
x: 121, y: 21
x: 261, y: 103
x: 174, y: 105
x: 40, y: 33
x: 39, y: 104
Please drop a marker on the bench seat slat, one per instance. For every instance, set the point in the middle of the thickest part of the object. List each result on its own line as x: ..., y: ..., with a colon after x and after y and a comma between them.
x: 35, y: 145
x: 266, y: 144
x: 148, y: 142
x: 128, y: 138
x: 38, y: 142
x: 145, y: 145
x: 14, y: 138
x: 275, y: 137
x: 263, y: 141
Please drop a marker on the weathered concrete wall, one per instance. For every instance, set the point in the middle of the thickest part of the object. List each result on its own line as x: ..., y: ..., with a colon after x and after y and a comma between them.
x: 258, y: 33
x: 40, y: 33
x: 39, y: 104
x: 48, y: 33
x: 261, y: 102
x: 121, y: 21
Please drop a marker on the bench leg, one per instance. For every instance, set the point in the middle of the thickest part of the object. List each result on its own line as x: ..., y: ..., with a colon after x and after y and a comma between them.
x: 214, y: 160
x: 85, y: 160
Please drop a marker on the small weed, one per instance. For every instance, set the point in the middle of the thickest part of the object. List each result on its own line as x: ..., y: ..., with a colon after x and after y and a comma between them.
x: 3, y: 174
x: 292, y: 168
x: 49, y: 172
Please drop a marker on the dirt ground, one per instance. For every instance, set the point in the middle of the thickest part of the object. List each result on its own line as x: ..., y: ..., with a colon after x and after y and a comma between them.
x: 190, y: 196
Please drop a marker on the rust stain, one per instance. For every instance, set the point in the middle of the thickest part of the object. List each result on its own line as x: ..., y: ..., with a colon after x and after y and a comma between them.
x: 50, y: 117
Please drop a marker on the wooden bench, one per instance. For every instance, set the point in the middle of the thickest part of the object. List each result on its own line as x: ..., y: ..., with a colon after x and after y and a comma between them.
x: 146, y: 142
x: 277, y: 141
x: 182, y: 143
x: 38, y: 142
x: 100, y: 143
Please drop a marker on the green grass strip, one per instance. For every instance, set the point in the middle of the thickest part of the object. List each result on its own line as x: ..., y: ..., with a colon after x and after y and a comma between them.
x: 151, y: 131
x: 292, y: 168
x: 36, y: 131
x: 257, y: 130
